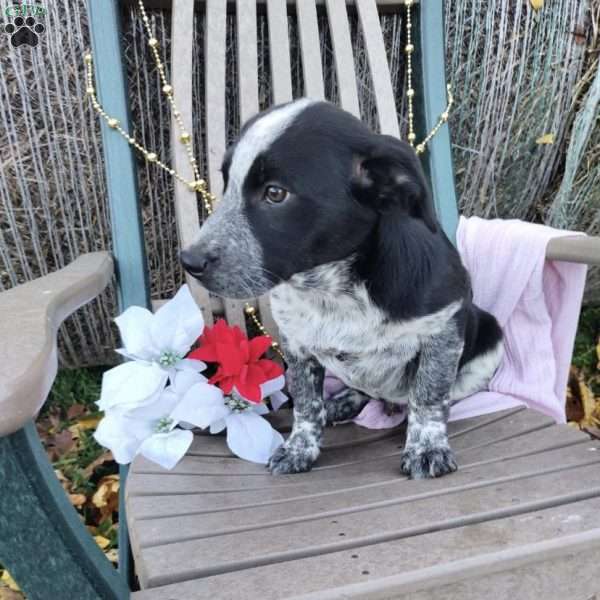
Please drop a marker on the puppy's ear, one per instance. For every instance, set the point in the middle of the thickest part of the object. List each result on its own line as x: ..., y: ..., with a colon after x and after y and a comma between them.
x: 389, y: 177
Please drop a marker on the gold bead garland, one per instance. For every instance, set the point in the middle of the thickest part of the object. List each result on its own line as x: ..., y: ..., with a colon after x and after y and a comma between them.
x: 198, y: 185
x: 410, y: 92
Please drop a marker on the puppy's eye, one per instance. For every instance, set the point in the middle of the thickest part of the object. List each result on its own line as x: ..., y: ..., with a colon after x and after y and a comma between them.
x: 275, y: 194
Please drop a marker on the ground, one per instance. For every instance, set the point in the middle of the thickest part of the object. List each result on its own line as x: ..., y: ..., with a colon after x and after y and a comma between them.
x: 90, y: 476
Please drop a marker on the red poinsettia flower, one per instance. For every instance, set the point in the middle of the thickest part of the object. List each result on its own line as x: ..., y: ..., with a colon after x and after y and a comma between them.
x: 239, y: 360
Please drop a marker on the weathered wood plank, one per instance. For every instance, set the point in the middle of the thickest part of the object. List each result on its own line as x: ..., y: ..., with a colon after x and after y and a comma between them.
x: 163, y: 530
x: 290, y: 541
x: 247, y: 58
x: 379, y: 67
x: 186, y: 202
x: 310, y: 48
x: 533, y: 564
x: 279, y: 44
x: 381, y: 471
x: 216, y: 13
x: 344, y: 58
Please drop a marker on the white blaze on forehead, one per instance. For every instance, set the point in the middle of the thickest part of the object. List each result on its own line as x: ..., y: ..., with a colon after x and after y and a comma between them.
x: 260, y: 136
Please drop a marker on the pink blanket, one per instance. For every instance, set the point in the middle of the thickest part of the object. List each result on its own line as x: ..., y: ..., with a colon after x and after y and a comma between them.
x: 537, y: 304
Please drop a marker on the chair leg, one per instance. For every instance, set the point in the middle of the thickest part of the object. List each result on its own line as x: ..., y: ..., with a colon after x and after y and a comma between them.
x: 43, y: 542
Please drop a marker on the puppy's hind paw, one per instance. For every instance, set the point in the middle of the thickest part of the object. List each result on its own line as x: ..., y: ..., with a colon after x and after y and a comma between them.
x: 289, y: 459
x: 427, y: 463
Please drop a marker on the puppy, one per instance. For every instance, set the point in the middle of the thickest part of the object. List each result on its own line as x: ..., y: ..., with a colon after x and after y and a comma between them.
x: 338, y: 224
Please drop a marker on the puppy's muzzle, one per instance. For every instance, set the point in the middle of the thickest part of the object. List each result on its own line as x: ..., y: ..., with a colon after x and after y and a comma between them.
x: 199, y: 262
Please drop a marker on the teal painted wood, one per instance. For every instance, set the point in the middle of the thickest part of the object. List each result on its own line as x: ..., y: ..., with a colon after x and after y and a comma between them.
x: 430, y: 81
x: 121, y: 178
x: 121, y: 182
x: 43, y: 543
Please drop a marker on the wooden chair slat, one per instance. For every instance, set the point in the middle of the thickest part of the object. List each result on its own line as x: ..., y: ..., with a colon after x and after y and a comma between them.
x: 312, y: 69
x: 186, y: 202
x: 344, y: 57
x: 155, y: 503
x: 379, y: 67
x: 279, y: 44
x: 163, y: 530
x: 216, y: 21
x: 369, y: 503
x: 247, y: 59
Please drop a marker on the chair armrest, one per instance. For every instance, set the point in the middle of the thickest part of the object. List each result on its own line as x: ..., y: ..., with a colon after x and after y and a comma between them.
x: 30, y: 315
x: 575, y: 248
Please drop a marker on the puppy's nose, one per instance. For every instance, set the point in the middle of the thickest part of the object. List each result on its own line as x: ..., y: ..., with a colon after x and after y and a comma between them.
x: 196, y: 262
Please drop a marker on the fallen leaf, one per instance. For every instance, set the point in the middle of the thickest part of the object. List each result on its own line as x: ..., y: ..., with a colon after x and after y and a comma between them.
x: 77, y: 500
x: 536, y: 4
x: 105, y: 457
x: 106, y: 497
x: 587, y: 400
x: 102, y: 541
x: 63, y: 441
x: 9, y: 581
x: 112, y: 555
x: 547, y: 138
x: 75, y: 411
x: 89, y: 422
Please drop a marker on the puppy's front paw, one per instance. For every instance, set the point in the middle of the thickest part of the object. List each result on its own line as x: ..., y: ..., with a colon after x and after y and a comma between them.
x: 292, y: 457
x: 421, y: 463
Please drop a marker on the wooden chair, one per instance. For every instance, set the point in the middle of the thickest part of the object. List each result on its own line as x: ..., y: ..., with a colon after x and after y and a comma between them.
x: 519, y: 518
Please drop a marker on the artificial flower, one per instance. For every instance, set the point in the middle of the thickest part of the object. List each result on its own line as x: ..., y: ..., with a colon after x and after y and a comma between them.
x: 240, y: 366
x: 157, y: 345
x: 249, y: 436
x: 165, y: 337
x: 149, y: 430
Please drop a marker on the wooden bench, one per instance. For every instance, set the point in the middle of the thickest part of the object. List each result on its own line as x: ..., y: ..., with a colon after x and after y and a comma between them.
x: 519, y: 518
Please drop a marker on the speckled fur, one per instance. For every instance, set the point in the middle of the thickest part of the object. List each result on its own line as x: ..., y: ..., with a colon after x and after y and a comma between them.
x: 324, y: 315
x: 363, y: 280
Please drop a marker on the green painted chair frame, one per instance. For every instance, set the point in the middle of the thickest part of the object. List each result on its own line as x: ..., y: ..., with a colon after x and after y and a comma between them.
x: 42, y: 540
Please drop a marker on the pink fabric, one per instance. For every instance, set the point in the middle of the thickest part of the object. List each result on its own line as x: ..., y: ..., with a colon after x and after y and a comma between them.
x: 537, y: 304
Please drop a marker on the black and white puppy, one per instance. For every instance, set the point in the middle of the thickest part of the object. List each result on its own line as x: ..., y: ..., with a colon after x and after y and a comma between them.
x: 338, y: 223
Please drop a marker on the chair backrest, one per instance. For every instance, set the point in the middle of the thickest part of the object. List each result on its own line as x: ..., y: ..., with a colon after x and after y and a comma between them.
x: 428, y: 77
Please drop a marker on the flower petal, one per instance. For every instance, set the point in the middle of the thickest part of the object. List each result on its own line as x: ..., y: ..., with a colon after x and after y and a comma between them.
x: 116, y: 433
x: 258, y: 346
x: 249, y: 436
x: 218, y: 426
x: 177, y: 324
x: 273, y: 385
x: 201, y: 405
x: 131, y: 385
x: 259, y: 409
x: 167, y: 449
x: 277, y: 400
x: 183, y: 380
x: 134, y: 326
x: 190, y: 364
x: 249, y: 391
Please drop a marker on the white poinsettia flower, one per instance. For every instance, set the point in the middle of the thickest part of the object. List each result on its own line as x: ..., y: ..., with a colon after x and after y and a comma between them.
x: 249, y: 436
x: 272, y: 390
x: 149, y: 429
x: 164, y: 337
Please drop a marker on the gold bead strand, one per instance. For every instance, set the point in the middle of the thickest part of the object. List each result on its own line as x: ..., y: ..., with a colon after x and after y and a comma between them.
x: 410, y: 92
x: 251, y: 312
x: 116, y: 125
x: 198, y: 184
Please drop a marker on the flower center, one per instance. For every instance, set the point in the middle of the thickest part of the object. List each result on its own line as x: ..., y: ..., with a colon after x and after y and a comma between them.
x: 163, y: 425
x: 168, y: 358
x: 237, y: 404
